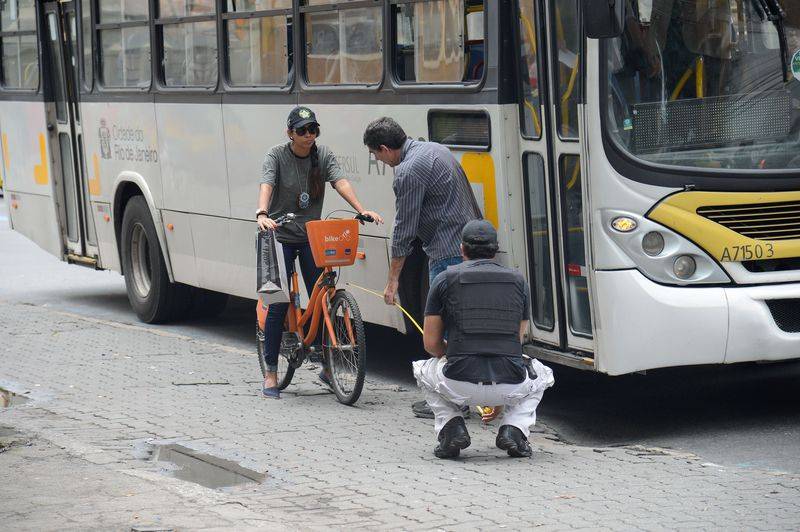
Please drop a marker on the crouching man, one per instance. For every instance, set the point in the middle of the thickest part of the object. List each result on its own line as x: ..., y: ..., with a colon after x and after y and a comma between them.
x: 482, y: 309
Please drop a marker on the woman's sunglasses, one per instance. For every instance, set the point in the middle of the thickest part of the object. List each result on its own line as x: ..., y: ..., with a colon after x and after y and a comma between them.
x: 311, y: 128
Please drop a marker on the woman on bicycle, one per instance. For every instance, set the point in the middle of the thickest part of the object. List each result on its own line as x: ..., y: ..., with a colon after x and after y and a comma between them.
x: 293, y: 180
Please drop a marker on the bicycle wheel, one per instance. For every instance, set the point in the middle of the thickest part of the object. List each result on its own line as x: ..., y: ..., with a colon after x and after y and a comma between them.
x: 285, y: 366
x: 348, y: 360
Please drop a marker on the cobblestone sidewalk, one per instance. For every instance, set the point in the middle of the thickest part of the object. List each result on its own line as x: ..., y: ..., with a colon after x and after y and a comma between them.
x: 100, y: 389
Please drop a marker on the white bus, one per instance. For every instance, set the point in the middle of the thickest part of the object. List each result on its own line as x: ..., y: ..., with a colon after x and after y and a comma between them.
x: 640, y: 158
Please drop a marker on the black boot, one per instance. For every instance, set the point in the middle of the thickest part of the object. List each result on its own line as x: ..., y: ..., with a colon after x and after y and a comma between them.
x: 511, y: 440
x: 452, y: 438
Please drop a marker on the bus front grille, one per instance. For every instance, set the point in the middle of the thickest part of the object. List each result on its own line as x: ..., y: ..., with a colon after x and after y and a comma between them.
x: 765, y: 221
x: 786, y: 313
x: 772, y: 265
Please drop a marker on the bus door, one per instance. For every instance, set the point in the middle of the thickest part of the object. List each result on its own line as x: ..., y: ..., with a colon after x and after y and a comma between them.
x: 60, y: 70
x: 550, y: 71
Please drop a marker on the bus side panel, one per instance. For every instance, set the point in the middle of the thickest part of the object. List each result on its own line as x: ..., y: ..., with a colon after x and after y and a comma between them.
x: 250, y: 131
x: 195, y: 181
x: 215, y: 260
x: 180, y: 246
x: 118, y: 138
x: 645, y: 325
x: 370, y: 272
x: 192, y: 147
x: 28, y: 174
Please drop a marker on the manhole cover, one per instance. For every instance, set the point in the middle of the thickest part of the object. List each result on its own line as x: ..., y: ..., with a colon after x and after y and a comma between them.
x: 204, y: 469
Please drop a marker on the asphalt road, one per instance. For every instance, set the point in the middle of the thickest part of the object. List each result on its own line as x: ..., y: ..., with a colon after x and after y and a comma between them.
x: 745, y: 415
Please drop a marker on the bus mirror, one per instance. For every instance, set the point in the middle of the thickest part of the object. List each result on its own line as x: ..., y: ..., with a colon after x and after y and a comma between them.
x: 603, y: 19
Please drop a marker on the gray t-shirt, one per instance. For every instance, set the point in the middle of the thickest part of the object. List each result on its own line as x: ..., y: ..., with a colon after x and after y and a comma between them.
x: 289, y: 176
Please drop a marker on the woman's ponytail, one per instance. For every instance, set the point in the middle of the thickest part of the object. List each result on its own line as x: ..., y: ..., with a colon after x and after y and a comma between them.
x: 315, y: 184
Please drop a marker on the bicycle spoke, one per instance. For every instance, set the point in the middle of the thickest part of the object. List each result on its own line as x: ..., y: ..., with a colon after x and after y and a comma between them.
x: 346, y: 358
x: 350, y: 362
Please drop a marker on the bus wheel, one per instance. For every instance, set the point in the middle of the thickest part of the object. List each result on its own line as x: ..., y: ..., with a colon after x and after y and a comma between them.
x: 153, y: 297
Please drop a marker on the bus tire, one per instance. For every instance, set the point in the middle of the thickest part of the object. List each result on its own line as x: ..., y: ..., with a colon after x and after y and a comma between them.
x: 151, y: 294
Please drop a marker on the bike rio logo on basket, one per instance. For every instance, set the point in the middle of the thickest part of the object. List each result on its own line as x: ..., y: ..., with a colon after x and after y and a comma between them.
x: 343, y: 237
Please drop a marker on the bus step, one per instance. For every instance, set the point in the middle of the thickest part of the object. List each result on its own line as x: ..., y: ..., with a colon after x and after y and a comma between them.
x: 89, y: 262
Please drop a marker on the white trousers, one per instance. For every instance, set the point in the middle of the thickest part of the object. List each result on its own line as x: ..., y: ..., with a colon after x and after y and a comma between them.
x: 446, y: 396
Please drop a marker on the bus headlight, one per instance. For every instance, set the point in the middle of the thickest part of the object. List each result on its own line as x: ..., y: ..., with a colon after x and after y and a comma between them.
x: 684, y: 267
x: 624, y: 224
x: 660, y: 253
x: 653, y: 243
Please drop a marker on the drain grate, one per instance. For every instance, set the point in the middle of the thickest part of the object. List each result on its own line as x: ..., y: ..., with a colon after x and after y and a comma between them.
x: 204, y: 469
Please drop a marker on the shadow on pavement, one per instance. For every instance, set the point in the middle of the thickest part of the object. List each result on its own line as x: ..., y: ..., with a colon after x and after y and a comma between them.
x: 596, y: 409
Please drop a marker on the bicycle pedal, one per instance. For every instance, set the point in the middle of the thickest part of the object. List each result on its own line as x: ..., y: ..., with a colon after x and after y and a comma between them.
x: 315, y: 358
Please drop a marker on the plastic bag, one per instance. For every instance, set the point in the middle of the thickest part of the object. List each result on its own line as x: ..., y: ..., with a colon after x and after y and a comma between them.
x: 272, y: 282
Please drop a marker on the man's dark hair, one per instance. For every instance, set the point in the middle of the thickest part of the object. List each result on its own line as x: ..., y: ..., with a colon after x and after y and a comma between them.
x: 480, y: 251
x: 384, y: 132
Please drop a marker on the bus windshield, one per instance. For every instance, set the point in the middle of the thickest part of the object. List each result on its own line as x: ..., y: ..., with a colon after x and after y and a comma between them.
x: 702, y: 84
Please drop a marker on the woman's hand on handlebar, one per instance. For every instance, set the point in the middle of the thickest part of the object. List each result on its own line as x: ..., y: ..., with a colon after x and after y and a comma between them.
x: 265, y: 222
x: 370, y: 216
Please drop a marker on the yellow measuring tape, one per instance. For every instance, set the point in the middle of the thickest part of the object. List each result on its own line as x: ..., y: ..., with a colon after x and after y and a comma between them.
x: 396, y: 304
x: 482, y: 410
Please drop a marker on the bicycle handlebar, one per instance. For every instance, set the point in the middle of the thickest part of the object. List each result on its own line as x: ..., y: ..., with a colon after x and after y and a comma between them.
x: 364, y: 218
x: 286, y: 218
x: 290, y: 216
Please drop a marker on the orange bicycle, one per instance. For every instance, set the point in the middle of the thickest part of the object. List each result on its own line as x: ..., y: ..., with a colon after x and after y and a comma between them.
x: 334, y: 243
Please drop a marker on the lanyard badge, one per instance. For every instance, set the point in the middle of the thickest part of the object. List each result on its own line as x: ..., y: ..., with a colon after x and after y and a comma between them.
x: 303, y: 200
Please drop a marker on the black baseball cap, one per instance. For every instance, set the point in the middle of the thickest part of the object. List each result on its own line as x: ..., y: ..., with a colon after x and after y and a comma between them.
x: 478, y: 232
x: 301, y: 116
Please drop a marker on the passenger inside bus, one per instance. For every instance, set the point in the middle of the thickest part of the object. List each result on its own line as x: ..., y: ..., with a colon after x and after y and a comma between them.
x: 692, y: 83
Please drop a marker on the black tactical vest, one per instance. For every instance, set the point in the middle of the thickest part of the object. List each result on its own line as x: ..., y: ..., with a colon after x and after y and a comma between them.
x: 484, y: 309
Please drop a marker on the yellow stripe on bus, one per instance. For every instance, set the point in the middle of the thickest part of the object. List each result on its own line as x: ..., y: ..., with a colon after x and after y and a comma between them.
x: 94, y: 182
x: 41, y: 174
x: 479, y: 168
x: 6, y: 160
x: 679, y: 212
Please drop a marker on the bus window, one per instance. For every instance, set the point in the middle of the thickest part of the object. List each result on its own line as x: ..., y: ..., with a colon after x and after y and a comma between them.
x: 567, y: 65
x: 529, y: 65
x: 541, y: 274
x: 20, y: 60
x: 122, y: 11
x: 344, y: 45
x: 185, y: 8
x: 259, y: 47
x: 580, y: 318
x: 439, y: 41
x: 88, y: 64
x: 124, y: 47
x: 189, y: 46
x: 702, y: 84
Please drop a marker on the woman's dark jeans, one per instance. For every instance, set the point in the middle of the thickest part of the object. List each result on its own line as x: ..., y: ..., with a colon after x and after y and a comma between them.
x: 273, y: 330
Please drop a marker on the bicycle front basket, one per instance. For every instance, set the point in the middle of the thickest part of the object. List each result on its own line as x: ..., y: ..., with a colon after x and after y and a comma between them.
x: 333, y: 242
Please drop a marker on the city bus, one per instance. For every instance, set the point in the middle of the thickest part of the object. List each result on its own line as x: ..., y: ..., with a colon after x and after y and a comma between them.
x: 639, y: 158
